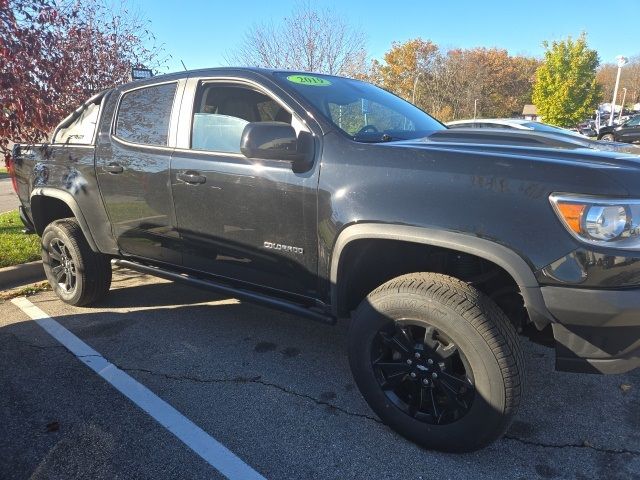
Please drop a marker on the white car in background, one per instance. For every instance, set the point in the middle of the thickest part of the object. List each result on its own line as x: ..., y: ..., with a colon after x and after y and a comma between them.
x: 511, y: 124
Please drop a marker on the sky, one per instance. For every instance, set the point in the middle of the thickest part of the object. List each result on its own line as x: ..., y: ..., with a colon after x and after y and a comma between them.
x: 201, y: 32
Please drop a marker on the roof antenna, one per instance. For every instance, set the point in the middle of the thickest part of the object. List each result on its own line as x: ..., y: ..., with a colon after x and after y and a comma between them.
x: 185, y: 67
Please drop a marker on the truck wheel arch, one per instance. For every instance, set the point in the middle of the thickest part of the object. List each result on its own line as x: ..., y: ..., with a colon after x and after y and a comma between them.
x: 40, y: 221
x: 498, y: 254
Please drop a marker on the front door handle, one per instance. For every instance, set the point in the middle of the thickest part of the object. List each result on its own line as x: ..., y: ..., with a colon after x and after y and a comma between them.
x: 113, y: 168
x: 191, y: 177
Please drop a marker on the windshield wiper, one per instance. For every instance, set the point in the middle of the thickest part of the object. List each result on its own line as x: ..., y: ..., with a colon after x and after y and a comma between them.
x: 384, y: 138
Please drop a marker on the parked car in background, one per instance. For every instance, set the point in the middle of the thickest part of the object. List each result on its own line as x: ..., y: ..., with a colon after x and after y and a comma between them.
x: 588, y: 128
x: 511, y: 124
x: 627, y: 132
x: 561, y: 136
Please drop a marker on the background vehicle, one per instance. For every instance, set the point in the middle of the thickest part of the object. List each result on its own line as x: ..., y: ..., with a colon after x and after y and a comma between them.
x: 328, y: 198
x: 511, y: 123
x: 563, y: 135
x: 627, y: 132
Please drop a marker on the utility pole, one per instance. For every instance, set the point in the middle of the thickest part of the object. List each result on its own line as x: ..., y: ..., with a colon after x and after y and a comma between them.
x: 475, y: 108
x: 624, y: 96
x: 622, y: 61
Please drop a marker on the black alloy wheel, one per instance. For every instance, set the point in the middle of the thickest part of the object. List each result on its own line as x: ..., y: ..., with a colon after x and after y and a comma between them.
x: 423, y: 372
x: 77, y: 274
x: 63, y: 265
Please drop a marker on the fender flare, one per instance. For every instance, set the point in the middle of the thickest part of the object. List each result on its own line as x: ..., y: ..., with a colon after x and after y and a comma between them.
x: 494, y: 252
x: 71, y: 202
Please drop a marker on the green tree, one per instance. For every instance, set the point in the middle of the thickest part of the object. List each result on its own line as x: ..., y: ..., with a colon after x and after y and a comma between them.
x: 566, y: 90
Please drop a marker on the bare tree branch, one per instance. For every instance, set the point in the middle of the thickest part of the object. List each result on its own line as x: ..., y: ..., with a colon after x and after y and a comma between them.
x: 310, y: 40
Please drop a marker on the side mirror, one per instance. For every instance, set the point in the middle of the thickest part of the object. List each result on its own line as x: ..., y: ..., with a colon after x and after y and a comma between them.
x: 277, y: 141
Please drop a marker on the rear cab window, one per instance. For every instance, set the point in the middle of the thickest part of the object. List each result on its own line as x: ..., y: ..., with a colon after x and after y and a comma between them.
x: 81, y: 129
x: 144, y: 115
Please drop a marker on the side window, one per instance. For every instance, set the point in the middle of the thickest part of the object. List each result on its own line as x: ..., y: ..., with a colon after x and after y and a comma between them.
x: 634, y: 122
x: 222, y: 111
x: 144, y: 115
x: 81, y: 130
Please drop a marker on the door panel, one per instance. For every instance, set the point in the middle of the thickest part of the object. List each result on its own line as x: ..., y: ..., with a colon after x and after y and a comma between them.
x: 248, y: 220
x: 138, y: 200
x: 133, y: 167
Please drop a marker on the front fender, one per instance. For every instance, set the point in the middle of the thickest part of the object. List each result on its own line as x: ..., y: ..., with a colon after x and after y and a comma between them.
x: 502, y: 256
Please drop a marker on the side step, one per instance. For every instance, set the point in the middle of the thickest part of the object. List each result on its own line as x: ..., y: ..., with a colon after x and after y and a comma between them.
x: 240, y: 293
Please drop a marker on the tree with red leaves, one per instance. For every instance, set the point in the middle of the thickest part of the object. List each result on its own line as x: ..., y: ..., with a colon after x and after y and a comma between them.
x: 56, y: 54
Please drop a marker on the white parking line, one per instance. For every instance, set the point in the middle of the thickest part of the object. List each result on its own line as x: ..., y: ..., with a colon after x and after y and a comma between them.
x: 212, y: 451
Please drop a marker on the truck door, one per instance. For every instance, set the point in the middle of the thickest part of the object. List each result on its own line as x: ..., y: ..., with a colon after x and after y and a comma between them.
x: 132, y: 165
x: 253, y: 221
x: 632, y: 130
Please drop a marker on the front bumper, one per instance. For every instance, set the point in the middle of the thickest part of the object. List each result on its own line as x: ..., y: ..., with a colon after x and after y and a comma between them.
x: 597, y: 331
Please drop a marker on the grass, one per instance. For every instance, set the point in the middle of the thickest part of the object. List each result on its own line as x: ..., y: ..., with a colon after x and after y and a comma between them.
x: 16, y: 247
x: 3, y: 172
x: 24, y: 291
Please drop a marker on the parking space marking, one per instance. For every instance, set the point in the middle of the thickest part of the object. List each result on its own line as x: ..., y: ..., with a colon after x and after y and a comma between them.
x: 207, y: 447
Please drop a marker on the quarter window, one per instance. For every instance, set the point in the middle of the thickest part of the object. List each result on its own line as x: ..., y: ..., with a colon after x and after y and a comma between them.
x: 144, y: 115
x: 80, y: 131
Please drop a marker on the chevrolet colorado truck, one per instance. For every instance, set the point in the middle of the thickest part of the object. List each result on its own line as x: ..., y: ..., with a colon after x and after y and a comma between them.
x: 330, y: 198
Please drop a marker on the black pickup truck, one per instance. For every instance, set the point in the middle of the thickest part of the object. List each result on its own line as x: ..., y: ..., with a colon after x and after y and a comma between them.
x: 330, y: 198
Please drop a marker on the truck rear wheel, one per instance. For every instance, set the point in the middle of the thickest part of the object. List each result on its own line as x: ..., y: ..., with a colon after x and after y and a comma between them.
x: 437, y: 361
x: 77, y: 274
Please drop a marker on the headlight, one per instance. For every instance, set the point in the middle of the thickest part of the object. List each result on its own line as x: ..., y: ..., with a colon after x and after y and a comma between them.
x: 599, y: 221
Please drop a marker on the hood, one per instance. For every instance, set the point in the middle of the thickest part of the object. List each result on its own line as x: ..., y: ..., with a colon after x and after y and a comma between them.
x: 527, y: 143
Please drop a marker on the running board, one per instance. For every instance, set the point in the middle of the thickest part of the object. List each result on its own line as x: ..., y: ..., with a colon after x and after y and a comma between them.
x: 242, y: 294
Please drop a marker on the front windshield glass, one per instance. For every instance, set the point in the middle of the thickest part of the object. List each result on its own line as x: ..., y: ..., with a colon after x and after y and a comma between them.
x: 363, y: 111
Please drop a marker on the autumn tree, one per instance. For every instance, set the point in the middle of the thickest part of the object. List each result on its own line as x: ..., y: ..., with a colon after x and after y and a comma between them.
x: 629, y: 79
x: 404, y: 63
x: 56, y: 54
x: 566, y: 90
x: 310, y: 39
x: 448, y: 83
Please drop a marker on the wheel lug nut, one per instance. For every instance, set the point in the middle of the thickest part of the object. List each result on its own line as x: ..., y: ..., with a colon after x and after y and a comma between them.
x: 434, y: 375
x: 409, y: 362
x: 412, y: 374
x: 425, y: 381
x: 417, y: 355
x: 429, y: 361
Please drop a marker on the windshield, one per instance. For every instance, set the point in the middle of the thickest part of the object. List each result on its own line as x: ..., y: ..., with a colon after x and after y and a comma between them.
x: 363, y: 111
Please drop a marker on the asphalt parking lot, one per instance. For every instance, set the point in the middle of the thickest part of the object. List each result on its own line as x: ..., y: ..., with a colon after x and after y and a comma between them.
x: 272, y: 388
x: 8, y: 199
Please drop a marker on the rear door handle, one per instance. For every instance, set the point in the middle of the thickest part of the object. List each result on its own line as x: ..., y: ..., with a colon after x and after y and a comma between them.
x: 191, y: 177
x: 113, y: 168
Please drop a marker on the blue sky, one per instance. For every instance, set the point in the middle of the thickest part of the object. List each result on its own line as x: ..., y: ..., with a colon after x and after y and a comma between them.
x: 200, y: 32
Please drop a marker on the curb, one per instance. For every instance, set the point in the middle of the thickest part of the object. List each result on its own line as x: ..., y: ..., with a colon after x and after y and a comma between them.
x: 22, y: 274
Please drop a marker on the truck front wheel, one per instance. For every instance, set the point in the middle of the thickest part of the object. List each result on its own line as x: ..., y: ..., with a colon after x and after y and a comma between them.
x: 78, y: 275
x: 437, y: 361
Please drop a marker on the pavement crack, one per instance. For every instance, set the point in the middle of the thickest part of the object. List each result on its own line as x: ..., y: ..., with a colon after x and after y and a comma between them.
x: 254, y: 380
x: 614, y: 451
x: 32, y: 345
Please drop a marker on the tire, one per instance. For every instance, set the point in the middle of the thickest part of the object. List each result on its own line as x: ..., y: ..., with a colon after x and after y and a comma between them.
x: 78, y: 275
x: 468, y: 343
x: 607, y: 137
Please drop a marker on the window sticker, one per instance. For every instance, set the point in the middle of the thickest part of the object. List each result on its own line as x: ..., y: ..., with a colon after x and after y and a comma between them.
x: 309, y: 80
